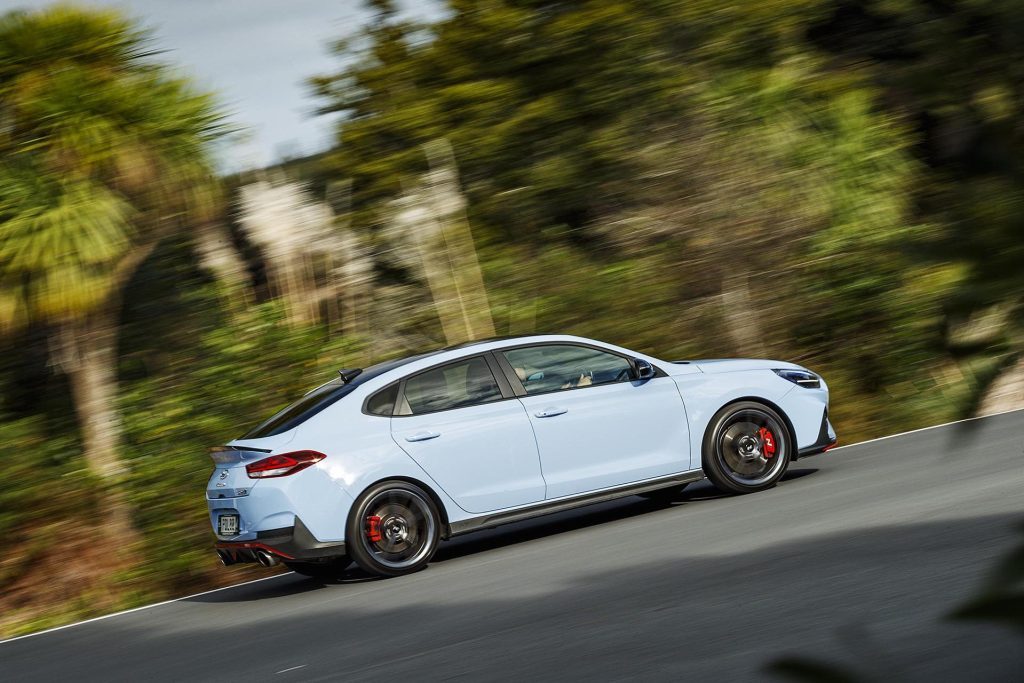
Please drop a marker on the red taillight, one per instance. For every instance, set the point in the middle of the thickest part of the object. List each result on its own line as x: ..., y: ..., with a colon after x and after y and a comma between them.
x: 284, y: 464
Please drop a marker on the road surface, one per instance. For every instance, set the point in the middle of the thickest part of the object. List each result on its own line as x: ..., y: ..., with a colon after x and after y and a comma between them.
x: 855, y: 557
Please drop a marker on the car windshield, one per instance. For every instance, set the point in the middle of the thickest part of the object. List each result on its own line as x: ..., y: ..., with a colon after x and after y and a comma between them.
x: 292, y: 415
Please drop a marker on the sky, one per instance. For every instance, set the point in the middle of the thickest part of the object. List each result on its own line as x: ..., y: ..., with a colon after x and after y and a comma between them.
x: 256, y: 54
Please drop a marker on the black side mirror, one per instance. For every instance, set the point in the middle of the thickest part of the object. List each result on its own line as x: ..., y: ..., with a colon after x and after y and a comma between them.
x: 644, y: 370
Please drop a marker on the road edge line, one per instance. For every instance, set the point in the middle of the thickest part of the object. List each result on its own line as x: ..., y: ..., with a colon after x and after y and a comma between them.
x: 142, y: 607
x: 924, y: 429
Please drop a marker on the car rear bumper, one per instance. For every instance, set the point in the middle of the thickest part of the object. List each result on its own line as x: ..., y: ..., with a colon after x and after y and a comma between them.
x: 288, y: 543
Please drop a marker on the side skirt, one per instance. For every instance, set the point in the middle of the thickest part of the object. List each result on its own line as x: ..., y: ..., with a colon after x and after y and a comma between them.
x: 549, y: 507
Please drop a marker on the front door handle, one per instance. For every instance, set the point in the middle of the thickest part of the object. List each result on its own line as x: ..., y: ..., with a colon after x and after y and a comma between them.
x: 423, y: 436
x: 552, y: 412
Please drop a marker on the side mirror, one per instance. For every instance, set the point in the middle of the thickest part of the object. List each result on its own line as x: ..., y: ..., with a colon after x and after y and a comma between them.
x: 644, y: 370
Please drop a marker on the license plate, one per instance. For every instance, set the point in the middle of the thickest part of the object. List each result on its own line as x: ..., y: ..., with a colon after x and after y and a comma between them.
x: 227, y: 525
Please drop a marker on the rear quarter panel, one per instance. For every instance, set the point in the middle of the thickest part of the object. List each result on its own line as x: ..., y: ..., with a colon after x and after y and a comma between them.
x: 360, y: 452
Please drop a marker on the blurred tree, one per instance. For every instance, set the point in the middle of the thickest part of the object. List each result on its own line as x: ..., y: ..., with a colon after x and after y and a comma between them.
x: 430, y: 230
x: 104, y: 153
x: 216, y: 253
x: 296, y: 234
x: 953, y: 70
x: 542, y: 102
x: 722, y: 139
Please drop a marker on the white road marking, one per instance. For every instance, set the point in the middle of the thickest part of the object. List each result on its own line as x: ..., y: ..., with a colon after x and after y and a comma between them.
x: 924, y: 429
x: 277, y: 576
x: 284, y: 671
x: 139, y: 609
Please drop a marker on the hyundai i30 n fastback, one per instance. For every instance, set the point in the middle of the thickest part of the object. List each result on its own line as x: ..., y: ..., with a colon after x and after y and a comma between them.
x: 380, y: 464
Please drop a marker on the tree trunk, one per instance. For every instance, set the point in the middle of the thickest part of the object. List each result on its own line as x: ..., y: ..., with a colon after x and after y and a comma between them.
x: 218, y: 255
x: 443, y: 289
x: 741, y: 317
x: 89, y: 357
x: 448, y: 205
x: 1006, y: 392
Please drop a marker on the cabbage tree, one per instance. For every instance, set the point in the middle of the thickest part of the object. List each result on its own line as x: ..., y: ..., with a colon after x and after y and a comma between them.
x: 103, y: 153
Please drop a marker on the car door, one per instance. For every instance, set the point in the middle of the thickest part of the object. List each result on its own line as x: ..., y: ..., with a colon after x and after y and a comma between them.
x: 597, y: 426
x: 470, y: 435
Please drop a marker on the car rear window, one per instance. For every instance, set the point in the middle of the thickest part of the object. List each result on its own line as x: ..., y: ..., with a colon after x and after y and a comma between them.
x: 291, y: 416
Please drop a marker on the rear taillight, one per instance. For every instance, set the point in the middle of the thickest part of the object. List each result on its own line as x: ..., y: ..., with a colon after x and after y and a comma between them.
x: 282, y: 465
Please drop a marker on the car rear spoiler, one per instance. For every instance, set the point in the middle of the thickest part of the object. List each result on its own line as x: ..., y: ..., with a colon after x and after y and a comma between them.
x: 225, y: 455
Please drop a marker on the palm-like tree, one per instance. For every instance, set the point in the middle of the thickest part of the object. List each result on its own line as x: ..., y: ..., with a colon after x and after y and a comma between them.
x: 103, y: 152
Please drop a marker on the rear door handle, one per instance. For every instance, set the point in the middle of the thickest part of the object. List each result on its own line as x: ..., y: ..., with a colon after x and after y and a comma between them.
x: 552, y: 412
x: 423, y: 436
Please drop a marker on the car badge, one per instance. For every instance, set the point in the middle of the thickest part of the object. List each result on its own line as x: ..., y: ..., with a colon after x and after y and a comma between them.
x: 223, y: 474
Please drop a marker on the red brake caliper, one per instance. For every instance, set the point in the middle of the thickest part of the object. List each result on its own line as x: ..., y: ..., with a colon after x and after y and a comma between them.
x: 769, y: 441
x: 373, y: 528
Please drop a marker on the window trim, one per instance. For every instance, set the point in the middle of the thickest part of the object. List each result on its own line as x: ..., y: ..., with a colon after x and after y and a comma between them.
x: 504, y: 375
x: 398, y: 395
x: 520, y: 390
x: 503, y: 386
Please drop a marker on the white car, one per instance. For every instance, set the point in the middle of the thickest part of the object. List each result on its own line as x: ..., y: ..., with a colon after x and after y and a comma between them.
x: 379, y: 465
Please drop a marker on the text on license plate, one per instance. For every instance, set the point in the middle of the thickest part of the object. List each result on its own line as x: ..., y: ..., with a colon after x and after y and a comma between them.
x: 227, y: 525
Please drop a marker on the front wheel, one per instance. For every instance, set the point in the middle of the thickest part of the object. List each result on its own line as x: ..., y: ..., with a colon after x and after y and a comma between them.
x: 747, y: 448
x: 393, y: 530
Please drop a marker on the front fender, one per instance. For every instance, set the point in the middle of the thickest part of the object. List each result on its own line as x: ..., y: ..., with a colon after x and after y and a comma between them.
x: 705, y: 394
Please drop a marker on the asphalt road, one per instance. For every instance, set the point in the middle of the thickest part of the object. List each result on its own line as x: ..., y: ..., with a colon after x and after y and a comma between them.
x: 856, y: 557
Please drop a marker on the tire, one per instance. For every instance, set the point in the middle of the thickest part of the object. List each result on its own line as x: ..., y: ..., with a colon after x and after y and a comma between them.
x: 667, y: 495
x: 326, y: 570
x: 407, y: 529
x: 747, y: 448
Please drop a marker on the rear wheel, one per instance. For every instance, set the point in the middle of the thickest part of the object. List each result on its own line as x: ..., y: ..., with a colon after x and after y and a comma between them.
x: 747, y: 448
x: 394, y: 529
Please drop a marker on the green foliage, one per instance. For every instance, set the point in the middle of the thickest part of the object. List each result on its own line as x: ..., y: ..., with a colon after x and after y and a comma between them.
x: 950, y: 70
x: 86, y: 178
x: 208, y: 392
x: 41, y: 476
x: 805, y: 141
x: 540, y: 102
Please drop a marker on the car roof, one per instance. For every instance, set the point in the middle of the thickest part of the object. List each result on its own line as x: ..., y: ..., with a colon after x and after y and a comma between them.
x: 454, y: 352
x: 386, y: 366
x: 487, y: 340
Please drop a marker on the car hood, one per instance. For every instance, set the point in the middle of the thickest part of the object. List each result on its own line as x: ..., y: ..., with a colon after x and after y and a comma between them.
x: 714, y: 366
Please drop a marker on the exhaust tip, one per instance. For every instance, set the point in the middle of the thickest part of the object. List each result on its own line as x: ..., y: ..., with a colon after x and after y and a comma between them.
x: 266, y: 559
x: 226, y: 558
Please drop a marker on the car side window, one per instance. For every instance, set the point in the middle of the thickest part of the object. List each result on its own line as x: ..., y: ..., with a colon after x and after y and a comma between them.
x: 383, y: 402
x: 553, y: 367
x: 457, y: 385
